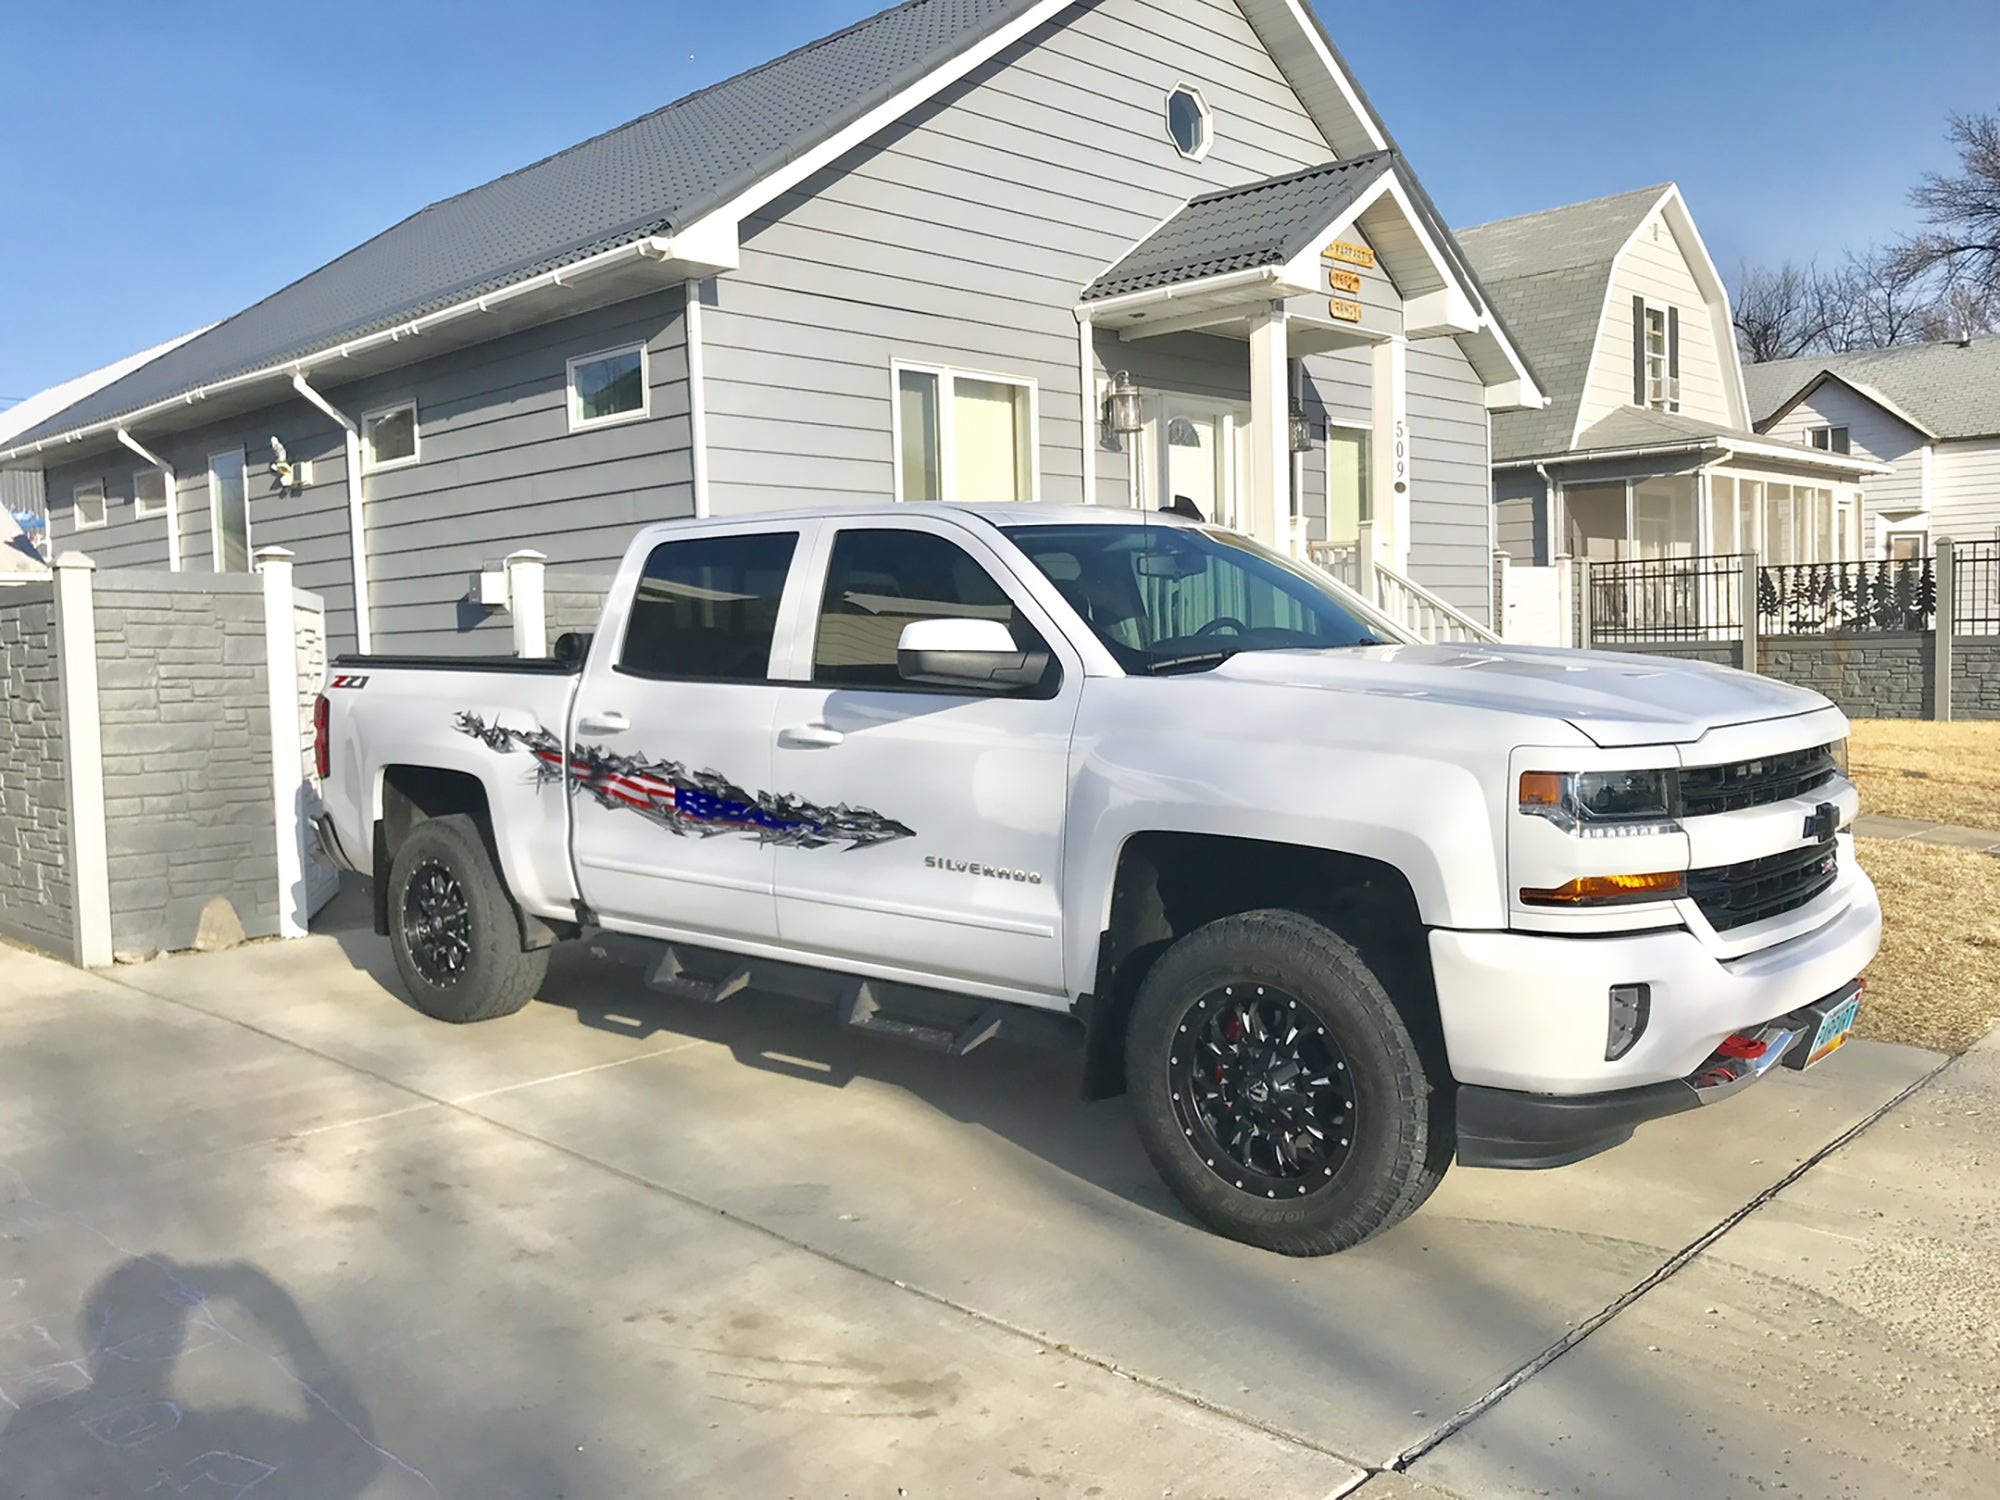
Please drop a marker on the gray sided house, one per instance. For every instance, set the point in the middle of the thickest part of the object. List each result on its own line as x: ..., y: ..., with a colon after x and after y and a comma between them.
x: 1646, y: 447
x: 1929, y: 413
x: 911, y: 259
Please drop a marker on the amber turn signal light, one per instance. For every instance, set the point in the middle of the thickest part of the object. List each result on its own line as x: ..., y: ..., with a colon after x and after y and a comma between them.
x: 1609, y: 890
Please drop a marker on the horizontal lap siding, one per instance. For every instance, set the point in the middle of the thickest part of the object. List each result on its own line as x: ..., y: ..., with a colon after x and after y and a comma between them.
x: 963, y: 236
x: 1451, y: 505
x: 1871, y: 433
x: 1965, y: 483
x: 498, y: 471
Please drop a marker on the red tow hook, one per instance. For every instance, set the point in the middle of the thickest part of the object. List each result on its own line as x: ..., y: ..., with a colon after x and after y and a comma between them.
x: 1741, y: 1045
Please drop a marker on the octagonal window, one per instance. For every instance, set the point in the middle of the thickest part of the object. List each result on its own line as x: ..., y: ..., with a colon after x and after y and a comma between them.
x: 1189, y: 123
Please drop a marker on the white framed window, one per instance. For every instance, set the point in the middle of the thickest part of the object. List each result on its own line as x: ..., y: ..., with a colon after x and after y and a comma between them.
x: 608, y: 386
x: 1906, y: 545
x: 963, y: 434
x: 1661, y: 394
x: 389, y: 437
x: 228, y: 512
x: 87, y: 509
x: 1827, y: 439
x: 1190, y: 122
x: 149, y: 492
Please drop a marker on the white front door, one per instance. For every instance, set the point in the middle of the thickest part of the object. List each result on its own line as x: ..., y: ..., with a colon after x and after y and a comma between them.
x: 1203, y: 458
x: 941, y: 809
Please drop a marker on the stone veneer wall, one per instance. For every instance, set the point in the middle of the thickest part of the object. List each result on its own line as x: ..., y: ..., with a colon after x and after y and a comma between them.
x: 187, y: 754
x: 37, y: 894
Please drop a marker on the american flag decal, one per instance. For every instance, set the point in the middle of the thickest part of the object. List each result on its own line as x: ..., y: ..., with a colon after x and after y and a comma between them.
x: 704, y: 804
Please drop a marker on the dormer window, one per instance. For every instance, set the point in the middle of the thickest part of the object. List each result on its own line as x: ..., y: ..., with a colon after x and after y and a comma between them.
x: 1656, y: 356
x: 1189, y: 123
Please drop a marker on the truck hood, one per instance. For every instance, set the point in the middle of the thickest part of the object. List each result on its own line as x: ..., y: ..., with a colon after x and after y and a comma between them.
x: 1614, y: 698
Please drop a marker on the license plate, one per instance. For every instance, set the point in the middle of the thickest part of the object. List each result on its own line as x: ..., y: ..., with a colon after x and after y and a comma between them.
x: 1833, y: 1030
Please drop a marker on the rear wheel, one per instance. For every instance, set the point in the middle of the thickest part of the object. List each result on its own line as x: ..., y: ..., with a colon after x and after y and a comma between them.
x: 1278, y: 1089
x: 453, y: 928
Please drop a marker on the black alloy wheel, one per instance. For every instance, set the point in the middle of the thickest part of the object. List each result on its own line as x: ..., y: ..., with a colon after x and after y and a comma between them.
x: 438, y: 922
x: 1262, y: 1091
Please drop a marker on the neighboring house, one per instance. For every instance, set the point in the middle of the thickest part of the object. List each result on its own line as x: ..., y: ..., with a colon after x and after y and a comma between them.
x: 23, y: 496
x: 907, y: 260
x: 1929, y: 412
x: 1646, y: 447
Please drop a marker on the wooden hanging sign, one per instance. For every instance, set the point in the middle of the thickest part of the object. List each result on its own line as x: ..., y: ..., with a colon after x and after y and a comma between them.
x: 1341, y: 308
x: 1354, y: 255
x: 1344, y: 281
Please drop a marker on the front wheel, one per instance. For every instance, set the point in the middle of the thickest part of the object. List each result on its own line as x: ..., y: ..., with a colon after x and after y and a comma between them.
x: 453, y: 928
x: 1278, y: 1089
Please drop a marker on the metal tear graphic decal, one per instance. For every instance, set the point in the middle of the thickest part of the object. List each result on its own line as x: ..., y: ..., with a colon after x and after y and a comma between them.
x: 703, y: 803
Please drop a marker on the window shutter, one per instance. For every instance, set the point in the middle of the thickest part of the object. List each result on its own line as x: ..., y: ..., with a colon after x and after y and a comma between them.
x: 1674, y: 358
x: 1638, y: 351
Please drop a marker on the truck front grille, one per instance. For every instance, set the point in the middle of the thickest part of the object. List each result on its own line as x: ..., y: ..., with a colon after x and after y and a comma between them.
x: 1756, y: 889
x: 1755, y: 783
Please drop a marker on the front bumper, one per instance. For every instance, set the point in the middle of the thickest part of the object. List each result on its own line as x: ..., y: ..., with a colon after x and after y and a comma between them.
x: 1503, y: 1128
x: 1527, y: 1012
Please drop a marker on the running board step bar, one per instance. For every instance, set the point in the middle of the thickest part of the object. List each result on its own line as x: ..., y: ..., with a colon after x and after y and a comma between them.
x: 935, y: 1020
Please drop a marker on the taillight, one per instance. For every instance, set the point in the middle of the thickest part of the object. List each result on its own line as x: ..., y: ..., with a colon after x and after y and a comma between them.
x: 322, y: 739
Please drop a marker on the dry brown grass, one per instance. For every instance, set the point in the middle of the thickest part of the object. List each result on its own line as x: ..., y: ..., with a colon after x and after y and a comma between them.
x: 1936, y: 982
x: 1910, y: 768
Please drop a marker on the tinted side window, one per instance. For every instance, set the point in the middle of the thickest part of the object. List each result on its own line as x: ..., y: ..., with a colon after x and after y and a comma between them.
x: 707, y: 608
x: 879, y: 581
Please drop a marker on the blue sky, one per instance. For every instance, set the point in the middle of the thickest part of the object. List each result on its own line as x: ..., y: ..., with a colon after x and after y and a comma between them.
x: 165, y: 164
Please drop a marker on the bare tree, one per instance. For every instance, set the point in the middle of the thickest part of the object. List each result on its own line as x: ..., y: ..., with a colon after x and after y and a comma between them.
x: 1961, y: 247
x: 1781, y: 313
x: 1881, y: 305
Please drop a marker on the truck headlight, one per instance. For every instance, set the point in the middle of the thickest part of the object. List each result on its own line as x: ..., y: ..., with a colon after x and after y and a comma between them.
x: 1837, y: 753
x: 1602, y: 804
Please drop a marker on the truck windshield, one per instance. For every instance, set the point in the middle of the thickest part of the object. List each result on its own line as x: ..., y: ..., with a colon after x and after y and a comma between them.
x: 1176, y: 598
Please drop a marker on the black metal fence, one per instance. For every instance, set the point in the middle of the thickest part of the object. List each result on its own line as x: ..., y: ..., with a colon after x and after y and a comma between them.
x: 1666, y: 599
x: 1975, y: 595
x: 1823, y: 598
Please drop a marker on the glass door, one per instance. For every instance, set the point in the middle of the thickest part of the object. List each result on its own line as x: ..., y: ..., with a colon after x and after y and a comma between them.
x: 1201, y: 459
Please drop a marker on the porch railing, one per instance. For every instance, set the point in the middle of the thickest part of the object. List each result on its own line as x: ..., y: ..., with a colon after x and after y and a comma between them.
x: 1403, y: 600
x: 1666, y: 599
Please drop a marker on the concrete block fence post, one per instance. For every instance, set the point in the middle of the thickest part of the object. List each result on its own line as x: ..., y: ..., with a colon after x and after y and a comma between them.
x: 1941, y: 628
x: 288, y: 788
x: 83, y: 745
x: 527, y: 601
x: 1749, y: 611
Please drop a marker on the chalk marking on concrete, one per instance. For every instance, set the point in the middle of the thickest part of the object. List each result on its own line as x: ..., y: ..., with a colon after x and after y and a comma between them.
x: 618, y: 1062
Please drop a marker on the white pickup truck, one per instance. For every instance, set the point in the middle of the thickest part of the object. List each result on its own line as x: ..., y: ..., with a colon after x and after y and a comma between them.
x: 1331, y: 905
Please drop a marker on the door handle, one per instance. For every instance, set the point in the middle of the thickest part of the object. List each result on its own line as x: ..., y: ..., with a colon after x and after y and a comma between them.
x: 809, y: 737
x: 608, y: 723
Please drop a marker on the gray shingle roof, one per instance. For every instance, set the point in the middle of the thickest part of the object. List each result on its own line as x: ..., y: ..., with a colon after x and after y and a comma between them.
x: 1637, y: 427
x: 1547, y: 274
x: 1951, y: 388
x: 652, y: 176
x: 1239, y: 229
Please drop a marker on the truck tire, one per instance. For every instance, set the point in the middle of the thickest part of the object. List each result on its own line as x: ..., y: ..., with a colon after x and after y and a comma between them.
x: 453, y: 928
x: 1278, y: 1089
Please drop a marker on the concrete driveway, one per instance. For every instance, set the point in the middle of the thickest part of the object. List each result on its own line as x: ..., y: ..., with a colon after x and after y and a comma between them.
x: 266, y: 1231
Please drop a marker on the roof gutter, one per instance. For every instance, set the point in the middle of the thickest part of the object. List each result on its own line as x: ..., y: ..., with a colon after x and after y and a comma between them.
x: 357, y: 534
x: 1776, y: 452
x: 653, y: 247
x: 1228, y: 281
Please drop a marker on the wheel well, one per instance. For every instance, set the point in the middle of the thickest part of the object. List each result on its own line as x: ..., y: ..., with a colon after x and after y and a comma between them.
x: 415, y: 794
x: 1169, y: 884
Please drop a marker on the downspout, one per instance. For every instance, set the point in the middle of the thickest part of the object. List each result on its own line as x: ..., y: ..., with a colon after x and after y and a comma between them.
x: 1086, y: 386
x: 173, y: 499
x: 356, y: 534
x: 697, y: 399
x: 1556, y: 534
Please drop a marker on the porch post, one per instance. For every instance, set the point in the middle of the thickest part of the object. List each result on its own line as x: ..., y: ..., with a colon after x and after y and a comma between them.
x: 1086, y: 384
x: 1389, y: 456
x: 1270, y: 427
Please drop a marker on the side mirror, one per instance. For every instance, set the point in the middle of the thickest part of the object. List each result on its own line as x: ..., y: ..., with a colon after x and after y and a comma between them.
x: 973, y: 654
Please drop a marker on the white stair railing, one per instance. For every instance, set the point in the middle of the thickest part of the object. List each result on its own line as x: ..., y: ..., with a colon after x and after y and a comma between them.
x: 1422, y: 612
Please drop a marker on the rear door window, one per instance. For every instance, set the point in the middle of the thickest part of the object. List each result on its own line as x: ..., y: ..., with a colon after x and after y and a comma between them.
x: 707, y: 608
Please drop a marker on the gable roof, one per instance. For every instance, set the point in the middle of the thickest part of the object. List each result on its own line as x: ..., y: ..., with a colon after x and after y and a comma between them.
x: 1943, y: 390
x: 1548, y: 274
x: 651, y: 176
x: 1258, y: 224
x: 38, y: 408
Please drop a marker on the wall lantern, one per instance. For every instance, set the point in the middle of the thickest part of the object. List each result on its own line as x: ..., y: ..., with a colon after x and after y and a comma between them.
x: 1122, y: 405
x: 1301, y: 430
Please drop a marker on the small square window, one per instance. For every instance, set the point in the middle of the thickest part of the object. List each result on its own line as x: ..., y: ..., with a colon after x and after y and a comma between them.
x: 87, y: 505
x: 1189, y: 123
x: 149, y: 492
x: 607, y: 387
x: 1828, y: 439
x: 389, y: 436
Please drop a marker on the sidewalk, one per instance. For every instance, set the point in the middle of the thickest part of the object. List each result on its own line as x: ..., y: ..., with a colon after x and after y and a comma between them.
x: 1917, y: 831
